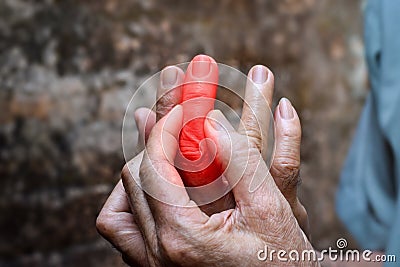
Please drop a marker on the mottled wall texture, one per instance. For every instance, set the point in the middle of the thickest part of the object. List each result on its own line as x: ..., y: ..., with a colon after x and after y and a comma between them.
x: 68, y: 69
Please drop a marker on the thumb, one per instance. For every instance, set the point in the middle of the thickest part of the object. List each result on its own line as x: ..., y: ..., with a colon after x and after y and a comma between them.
x: 242, y: 163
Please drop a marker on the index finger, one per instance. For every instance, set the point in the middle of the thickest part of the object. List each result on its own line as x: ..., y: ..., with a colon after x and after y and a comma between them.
x: 166, y: 193
x: 169, y: 90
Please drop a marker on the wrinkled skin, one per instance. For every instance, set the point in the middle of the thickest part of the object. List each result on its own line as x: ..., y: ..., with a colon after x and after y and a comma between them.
x: 198, y: 96
x: 151, y: 233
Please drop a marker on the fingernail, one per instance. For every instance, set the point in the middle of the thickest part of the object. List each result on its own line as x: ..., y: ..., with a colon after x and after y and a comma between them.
x: 201, y: 66
x: 176, y: 114
x: 259, y: 74
x: 169, y: 75
x: 286, y: 109
x: 177, y: 108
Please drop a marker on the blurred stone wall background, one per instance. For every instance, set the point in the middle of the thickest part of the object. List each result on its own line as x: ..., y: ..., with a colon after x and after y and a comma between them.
x: 68, y: 69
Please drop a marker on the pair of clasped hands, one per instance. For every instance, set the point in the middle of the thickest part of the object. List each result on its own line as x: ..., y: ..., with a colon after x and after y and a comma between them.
x: 229, y: 231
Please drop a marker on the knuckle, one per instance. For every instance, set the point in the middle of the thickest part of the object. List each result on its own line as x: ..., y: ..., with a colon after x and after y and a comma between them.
x: 287, y: 165
x: 287, y: 171
x: 290, y: 133
x: 252, y: 127
x: 103, y: 224
x: 255, y: 138
x: 125, y: 172
x: 171, y: 245
x: 164, y: 105
x: 176, y: 242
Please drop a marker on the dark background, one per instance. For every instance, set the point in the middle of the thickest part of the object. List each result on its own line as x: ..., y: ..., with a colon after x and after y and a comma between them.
x: 68, y: 69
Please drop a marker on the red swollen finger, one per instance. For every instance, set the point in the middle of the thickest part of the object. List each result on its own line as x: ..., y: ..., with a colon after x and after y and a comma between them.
x: 198, y: 165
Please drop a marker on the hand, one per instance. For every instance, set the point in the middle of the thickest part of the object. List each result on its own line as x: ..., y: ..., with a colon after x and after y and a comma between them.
x: 116, y: 221
x: 185, y: 236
